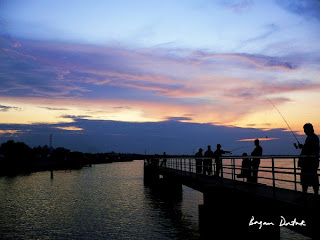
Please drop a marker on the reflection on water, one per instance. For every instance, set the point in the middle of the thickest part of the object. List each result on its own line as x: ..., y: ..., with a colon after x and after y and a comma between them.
x: 103, y: 202
x: 178, y: 214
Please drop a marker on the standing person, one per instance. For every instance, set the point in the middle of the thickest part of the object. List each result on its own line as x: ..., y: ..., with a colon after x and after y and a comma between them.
x: 217, y: 154
x: 245, y: 168
x: 309, y: 165
x: 207, y: 163
x: 199, y: 161
x: 255, y: 162
x: 164, y: 160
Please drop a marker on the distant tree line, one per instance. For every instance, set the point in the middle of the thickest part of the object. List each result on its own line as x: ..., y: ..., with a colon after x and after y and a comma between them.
x: 18, y: 157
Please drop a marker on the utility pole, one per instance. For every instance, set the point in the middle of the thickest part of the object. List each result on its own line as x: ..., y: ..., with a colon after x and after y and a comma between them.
x: 50, y: 140
x: 50, y: 144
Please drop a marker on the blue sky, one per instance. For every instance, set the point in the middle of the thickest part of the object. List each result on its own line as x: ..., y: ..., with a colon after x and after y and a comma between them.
x: 199, y: 63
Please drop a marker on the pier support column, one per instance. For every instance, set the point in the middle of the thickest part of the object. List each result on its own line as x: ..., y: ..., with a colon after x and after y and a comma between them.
x: 315, y: 225
x: 163, y: 184
x: 151, y: 172
x: 170, y: 185
x: 307, y: 213
x: 228, y: 214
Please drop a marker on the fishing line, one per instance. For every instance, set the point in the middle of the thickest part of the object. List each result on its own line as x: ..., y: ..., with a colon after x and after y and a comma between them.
x: 239, y: 148
x: 285, y: 121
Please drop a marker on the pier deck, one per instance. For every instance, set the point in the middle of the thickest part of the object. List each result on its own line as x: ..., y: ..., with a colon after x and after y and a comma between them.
x: 242, y: 200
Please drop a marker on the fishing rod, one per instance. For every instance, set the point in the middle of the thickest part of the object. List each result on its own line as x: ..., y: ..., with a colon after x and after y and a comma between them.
x: 239, y: 148
x: 296, y: 146
x: 245, y: 146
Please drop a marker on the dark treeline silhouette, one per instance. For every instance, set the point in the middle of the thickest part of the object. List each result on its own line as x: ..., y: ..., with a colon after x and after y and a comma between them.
x: 18, y: 157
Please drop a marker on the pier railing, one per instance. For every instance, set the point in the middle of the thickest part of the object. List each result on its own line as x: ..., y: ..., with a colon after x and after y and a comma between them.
x: 275, y: 170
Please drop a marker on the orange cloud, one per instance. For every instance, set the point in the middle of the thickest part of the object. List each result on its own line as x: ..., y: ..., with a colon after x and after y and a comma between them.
x: 10, y: 132
x: 260, y: 139
x: 70, y: 128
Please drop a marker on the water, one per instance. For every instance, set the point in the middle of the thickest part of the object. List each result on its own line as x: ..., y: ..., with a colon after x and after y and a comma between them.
x: 107, y: 201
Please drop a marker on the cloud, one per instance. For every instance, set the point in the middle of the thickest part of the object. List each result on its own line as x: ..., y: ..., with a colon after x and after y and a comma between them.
x: 262, y: 89
x: 260, y: 61
x: 307, y: 9
x: 64, y: 70
x: 75, y: 117
x: 70, y: 128
x: 260, y: 139
x: 174, y: 137
x: 107, y: 82
x: 4, y: 108
x: 7, y: 108
x: 238, y: 6
x: 269, y: 30
x: 179, y: 119
x: 24, y: 72
x: 54, y: 109
x: 10, y: 133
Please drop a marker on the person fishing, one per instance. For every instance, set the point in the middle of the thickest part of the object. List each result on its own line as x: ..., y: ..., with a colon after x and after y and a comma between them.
x: 255, y: 162
x: 199, y: 161
x: 207, y: 162
x: 309, y: 165
x: 217, y: 156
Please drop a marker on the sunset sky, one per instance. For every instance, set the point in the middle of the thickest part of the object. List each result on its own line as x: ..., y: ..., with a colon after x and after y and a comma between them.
x: 144, y: 75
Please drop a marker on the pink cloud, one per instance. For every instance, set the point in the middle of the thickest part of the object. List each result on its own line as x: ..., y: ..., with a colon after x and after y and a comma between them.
x: 260, y: 61
x: 230, y: 83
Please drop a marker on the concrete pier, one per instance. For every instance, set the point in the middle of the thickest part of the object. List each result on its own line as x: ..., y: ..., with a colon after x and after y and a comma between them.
x: 236, y: 209
x: 235, y: 215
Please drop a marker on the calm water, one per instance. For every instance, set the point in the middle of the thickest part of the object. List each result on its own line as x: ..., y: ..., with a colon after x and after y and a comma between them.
x: 107, y: 201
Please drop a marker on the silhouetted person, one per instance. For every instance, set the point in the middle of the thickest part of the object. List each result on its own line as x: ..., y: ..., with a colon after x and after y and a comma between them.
x: 199, y: 161
x: 245, y: 167
x: 207, y: 163
x: 164, y: 160
x: 309, y: 165
x: 255, y: 162
x: 217, y: 156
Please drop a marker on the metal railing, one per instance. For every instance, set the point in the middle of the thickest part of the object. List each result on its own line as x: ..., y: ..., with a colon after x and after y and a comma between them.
x: 276, y: 170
